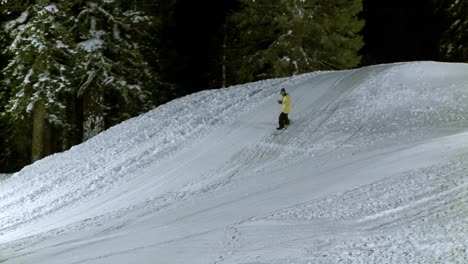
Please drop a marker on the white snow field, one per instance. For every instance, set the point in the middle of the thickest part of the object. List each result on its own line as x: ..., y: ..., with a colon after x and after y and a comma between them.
x: 373, y: 169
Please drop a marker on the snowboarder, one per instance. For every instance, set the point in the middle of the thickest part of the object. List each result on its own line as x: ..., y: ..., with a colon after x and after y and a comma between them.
x: 283, y: 119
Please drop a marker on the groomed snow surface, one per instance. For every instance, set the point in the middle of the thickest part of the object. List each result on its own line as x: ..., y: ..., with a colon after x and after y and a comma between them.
x: 373, y: 169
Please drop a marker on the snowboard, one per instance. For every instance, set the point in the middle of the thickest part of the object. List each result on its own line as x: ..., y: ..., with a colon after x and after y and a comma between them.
x: 279, y: 130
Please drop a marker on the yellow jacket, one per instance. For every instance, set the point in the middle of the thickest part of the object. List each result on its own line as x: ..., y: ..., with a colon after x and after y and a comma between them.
x: 286, y: 102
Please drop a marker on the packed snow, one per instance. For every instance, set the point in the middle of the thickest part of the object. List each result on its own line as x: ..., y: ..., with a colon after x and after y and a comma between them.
x: 372, y: 169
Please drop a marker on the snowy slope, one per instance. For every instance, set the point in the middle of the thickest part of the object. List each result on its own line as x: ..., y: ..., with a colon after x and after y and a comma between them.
x: 373, y: 169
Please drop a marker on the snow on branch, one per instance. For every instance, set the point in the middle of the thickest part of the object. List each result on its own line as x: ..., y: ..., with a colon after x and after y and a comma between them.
x: 21, y: 19
x: 112, y: 18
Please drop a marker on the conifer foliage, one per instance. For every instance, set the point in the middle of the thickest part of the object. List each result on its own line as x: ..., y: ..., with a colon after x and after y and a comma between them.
x: 115, y: 80
x: 277, y: 38
x: 38, y: 71
x: 74, y: 68
x: 37, y: 75
x: 454, y: 43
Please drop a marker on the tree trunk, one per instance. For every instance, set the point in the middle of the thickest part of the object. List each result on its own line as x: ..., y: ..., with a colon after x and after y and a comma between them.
x: 73, y: 134
x: 223, y: 60
x: 93, y: 114
x: 41, y: 132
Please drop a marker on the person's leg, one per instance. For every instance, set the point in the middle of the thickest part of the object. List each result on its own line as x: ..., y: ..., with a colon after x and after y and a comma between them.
x: 281, y: 120
x: 286, y: 119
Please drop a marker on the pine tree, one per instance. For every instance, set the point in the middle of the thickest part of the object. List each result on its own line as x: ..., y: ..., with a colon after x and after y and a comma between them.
x: 115, y: 80
x: 278, y: 38
x: 454, y: 42
x: 37, y: 74
x: 74, y: 67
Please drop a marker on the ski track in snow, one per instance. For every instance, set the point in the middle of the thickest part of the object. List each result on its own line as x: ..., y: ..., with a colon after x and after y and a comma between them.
x: 418, y: 215
x: 169, y: 137
x: 373, y: 121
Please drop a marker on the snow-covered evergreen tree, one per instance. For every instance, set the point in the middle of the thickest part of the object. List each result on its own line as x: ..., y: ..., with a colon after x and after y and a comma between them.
x: 37, y: 75
x: 115, y: 79
x: 454, y: 43
x: 74, y: 67
x: 277, y: 38
x: 39, y: 69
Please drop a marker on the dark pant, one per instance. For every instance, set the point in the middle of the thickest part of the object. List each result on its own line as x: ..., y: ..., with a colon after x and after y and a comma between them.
x: 283, y: 120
